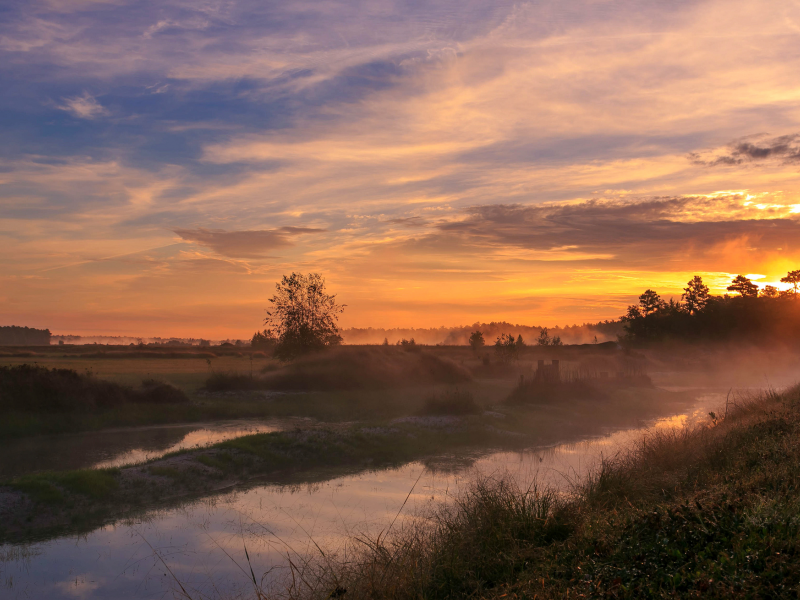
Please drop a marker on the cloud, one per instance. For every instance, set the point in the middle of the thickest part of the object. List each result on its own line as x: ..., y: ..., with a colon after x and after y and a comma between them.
x: 244, y: 244
x: 784, y: 149
x: 408, y: 221
x: 629, y: 232
x: 83, y: 107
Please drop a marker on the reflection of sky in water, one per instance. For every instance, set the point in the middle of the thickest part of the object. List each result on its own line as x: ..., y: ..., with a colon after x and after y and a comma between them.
x: 275, y: 523
x: 206, y: 436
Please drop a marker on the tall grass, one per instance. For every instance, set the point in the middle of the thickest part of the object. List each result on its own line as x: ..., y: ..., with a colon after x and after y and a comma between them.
x: 482, y: 537
x: 707, y: 511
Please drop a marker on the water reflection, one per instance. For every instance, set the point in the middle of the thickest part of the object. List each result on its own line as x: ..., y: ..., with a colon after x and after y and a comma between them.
x: 204, y: 542
x: 114, y: 448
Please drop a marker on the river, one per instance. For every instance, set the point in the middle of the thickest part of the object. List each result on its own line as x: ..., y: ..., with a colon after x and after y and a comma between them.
x: 201, y: 544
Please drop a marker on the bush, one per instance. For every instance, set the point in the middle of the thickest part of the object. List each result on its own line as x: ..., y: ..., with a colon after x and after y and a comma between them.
x: 30, y: 388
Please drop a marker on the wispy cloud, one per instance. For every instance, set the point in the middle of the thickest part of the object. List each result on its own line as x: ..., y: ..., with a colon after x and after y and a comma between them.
x: 245, y: 244
x: 85, y: 106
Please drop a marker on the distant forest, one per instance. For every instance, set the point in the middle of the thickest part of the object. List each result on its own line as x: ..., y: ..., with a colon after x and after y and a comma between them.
x: 24, y: 336
x: 459, y: 336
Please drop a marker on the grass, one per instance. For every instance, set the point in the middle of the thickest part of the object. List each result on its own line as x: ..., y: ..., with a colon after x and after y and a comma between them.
x: 96, y: 484
x: 708, y: 512
x: 351, y: 368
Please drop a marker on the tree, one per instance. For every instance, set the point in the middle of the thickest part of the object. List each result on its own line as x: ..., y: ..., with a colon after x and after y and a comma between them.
x: 743, y: 286
x: 632, y: 314
x: 650, y: 302
x: 556, y: 341
x: 506, y: 347
x: 303, y: 317
x: 520, y: 341
x: 695, y: 295
x: 792, y: 277
x: 770, y: 291
x: 544, y: 338
x: 476, y: 340
x: 262, y: 340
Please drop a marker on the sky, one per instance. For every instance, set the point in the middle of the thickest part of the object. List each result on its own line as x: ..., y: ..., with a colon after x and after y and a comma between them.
x: 163, y: 164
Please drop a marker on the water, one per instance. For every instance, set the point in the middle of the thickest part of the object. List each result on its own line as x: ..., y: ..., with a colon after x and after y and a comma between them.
x: 118, y: 447
x: 201, y: 544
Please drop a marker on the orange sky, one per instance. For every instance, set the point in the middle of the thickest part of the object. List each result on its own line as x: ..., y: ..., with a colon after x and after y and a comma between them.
x: 440, y: 164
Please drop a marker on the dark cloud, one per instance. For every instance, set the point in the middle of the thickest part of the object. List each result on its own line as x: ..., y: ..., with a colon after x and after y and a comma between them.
x: 632, y: 232
x: 784, y: 149
x: 244, y: 244
x: 409, y: 221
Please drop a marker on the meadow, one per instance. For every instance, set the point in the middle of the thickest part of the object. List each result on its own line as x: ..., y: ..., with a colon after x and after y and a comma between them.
x: 353, y: 383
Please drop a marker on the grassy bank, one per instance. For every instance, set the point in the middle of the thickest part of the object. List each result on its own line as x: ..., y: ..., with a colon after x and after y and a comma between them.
x: 710, y: 512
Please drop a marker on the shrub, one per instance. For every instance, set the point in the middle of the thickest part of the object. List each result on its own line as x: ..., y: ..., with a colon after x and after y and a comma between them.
x: 30, y: 388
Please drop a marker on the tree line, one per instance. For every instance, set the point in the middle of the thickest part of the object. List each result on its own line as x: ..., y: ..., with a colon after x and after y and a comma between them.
x: 748, y: 312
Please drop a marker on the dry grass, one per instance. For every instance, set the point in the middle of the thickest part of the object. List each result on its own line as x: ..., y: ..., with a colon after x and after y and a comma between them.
x: 350, y: 368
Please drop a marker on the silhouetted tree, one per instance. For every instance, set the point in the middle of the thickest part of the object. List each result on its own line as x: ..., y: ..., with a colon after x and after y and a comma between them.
x: 695, y: 295
x: 792, y: 277
x: 520, y: 342
x: 649, y: 302
x: 556, y: 341
x: 743, y: 286
x: 506, y: 347
x: 263, y: 340
x: 476, y: 340
x: 385, y: 341
x: 544, y: 338
x: 770, y: 291
x: 303, y: 317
